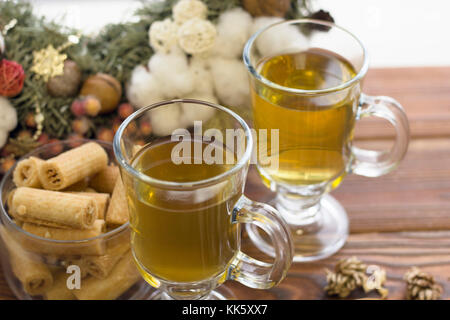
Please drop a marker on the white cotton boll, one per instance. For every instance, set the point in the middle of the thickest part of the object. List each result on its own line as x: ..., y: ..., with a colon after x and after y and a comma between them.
x: 281, y: 39
x: 262, y: 22
x: 186, y: 10
x: 178, y: 84
x: 230, y: 81
x: 166, y: 119
x: 8, y: 115
x: 202, y: 77
x: 172, y: 72
x: 233, y: 31
x: 3, y: 137
x: 197, y: 112
x: 143, y: 89
x: 163, y: 35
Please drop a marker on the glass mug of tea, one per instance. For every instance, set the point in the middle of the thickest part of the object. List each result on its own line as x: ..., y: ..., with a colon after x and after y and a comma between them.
x: 309, y: 89
x: 185, y: 196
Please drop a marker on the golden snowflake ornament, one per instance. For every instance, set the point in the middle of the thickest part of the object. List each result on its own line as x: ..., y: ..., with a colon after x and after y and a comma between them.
x: 48, y: 62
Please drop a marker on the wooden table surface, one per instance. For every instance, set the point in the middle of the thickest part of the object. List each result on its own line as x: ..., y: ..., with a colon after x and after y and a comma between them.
x: 397, y: 221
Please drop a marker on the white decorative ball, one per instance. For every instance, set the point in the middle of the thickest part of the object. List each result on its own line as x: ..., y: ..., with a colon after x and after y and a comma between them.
x: 163, y: 35
x: 196, y: 36
x: 186, y: 10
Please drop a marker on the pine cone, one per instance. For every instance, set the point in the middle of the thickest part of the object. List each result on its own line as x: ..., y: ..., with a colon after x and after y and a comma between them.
x: 421, y: 285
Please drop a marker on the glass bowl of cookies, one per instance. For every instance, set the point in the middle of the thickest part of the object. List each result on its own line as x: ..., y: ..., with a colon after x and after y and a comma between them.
x: 64, y: 231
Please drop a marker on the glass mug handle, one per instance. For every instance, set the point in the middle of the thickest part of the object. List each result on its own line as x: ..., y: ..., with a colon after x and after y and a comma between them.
x: 372, y: 163
x: 254, y: 273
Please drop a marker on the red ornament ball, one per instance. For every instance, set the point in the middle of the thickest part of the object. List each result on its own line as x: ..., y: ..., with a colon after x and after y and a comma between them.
x: 12, y: 78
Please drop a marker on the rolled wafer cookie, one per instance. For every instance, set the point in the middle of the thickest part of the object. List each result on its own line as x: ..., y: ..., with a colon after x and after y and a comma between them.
x: 65, y: 234
x: 65, y: 250
x: 53, y: 208
x: 117, y: 213
x: 78, y: 186
x: 72, y: 166
x: 101, y: 266
x: 101, y: 200
x: 105, y: 180
x: 26, y: 173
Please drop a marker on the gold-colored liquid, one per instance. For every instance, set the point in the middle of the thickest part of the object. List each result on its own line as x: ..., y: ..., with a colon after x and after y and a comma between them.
x: 185, y: 235
x: 314, y: 130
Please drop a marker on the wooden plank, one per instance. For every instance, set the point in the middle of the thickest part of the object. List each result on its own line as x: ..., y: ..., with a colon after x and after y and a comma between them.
x: 416, y: 196
x: 423, y: 92
x: 394, y: 252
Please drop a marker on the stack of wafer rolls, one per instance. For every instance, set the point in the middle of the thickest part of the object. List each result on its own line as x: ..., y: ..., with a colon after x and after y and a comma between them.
x: 34, y: 275
x: 65, y: 205
x: 120, y: 279
x: 59, y: 290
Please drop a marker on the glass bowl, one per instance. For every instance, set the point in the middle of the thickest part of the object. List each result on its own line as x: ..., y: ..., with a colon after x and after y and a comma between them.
x: 38, y: 268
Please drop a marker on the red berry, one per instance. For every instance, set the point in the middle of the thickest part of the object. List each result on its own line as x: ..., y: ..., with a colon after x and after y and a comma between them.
x: 77, y: 108
x: 92, y: 106
x: 74, y: 140
x: 132, y: 128
x: 30, y: 121
x: 43, y: 138
x: 145, y: 127
x: 140, y: 142
x: 125, y: 110
x: 116, y: 124
x: 105, y: 134
x: 80, y: 125
x: 7, y: 164
x: 56, y: 148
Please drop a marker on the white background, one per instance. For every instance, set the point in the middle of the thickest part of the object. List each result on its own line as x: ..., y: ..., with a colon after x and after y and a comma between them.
x: 395, y: 32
